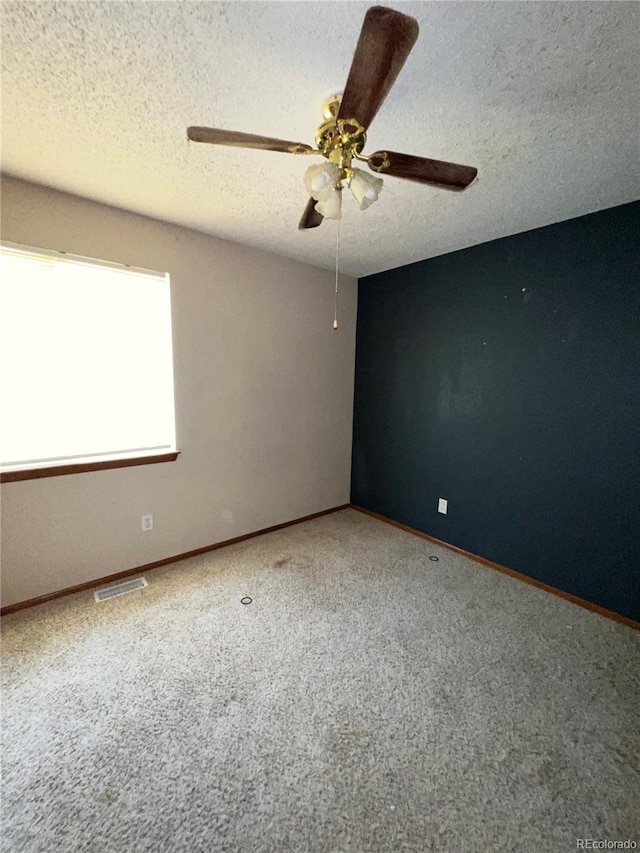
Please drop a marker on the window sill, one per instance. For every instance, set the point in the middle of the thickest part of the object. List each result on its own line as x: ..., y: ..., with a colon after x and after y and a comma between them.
x: 81, y: 468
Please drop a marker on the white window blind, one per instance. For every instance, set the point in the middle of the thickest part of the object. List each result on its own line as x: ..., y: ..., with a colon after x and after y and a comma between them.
x: 86, y: 360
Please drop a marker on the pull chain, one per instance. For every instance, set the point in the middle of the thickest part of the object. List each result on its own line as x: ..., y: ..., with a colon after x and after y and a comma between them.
x: 335, y: 310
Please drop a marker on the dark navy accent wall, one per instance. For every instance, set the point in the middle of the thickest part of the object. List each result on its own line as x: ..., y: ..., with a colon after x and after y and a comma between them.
x: 506, y: 379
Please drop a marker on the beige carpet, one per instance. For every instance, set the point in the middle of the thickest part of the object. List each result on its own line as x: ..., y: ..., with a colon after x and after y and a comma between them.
x: 368, y: 700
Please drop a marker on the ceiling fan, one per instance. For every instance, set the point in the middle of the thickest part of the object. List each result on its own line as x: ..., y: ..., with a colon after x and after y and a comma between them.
x: 386, y: 39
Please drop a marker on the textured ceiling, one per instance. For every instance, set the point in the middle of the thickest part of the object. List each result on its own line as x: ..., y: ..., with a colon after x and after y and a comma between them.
x: 541, y: 97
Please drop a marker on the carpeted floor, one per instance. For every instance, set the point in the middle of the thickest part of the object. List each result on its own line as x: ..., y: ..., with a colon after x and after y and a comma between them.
x: 368, y: 699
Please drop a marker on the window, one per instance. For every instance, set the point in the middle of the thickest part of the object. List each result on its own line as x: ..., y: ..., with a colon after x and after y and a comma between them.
x: 86, y: 364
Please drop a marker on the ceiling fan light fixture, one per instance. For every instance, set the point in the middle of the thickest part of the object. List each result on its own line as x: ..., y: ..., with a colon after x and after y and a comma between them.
x: 384, y: 44
x: 321, y: 179
x: 330, y: 205
x: 365, y: 188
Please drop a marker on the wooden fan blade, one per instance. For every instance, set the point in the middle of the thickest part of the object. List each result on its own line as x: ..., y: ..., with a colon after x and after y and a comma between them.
x: 310, y: 218
x: 451, y: 176
x: 385, y: 42
x: 216, y: 136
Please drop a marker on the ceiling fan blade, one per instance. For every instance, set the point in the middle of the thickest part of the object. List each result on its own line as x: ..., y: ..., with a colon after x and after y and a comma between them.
x: 385, y: 42
x: 450, y: 176
x: 310, y: 218
x: 216, y: 136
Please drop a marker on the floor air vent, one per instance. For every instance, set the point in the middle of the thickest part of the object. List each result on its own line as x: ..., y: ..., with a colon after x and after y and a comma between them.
x: 119, y: 589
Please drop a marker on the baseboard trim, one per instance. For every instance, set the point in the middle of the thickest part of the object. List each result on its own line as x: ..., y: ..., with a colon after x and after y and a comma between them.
x: 574, y: 599
x: 70, y: 590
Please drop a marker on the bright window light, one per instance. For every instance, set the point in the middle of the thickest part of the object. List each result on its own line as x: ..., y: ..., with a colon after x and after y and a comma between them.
x: 86, y: 361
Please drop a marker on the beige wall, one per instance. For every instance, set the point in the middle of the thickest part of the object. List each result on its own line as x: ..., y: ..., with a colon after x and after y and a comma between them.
x: 264, y: 398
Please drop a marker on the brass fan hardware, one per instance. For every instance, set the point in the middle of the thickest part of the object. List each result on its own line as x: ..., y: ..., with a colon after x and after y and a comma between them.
x: 385, y: 42
x: 339, y: 140
x: 379, y: 161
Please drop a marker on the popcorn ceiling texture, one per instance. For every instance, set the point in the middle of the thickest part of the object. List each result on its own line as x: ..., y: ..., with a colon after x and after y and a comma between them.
x: 369, y: 701
x: 541, y: 97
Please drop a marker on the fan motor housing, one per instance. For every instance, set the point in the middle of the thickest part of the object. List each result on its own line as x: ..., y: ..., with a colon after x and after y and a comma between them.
x: 339, y: 140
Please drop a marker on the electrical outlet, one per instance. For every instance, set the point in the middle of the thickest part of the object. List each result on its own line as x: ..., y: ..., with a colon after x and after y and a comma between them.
x: 442, y: 506
x: 147, y: 522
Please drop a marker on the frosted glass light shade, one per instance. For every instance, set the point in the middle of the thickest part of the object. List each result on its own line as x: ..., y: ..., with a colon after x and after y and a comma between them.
x: 321, y: 179
x: 330, y: 205
x: 365, y: 188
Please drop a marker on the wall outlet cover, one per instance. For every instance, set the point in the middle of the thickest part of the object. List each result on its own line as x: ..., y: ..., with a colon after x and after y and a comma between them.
x: 147, y: 522
x: 442, y: 506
